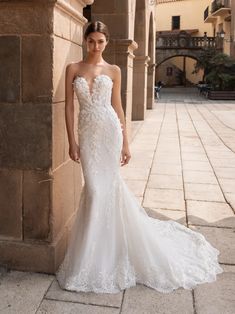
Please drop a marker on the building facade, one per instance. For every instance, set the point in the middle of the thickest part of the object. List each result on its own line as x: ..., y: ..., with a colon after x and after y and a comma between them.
x: 174, y: 17
x: 219, y: 14
x: 39, y: 184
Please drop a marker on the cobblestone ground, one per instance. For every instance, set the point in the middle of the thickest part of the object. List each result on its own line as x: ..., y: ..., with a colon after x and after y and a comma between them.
x: 182, y: 168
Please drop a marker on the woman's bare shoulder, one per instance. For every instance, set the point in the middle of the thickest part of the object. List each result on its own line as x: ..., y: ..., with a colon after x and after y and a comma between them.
x: 73, y: 67
x: 114, y: 70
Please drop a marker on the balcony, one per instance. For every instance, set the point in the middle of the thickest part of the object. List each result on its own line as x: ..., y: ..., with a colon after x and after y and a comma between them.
x: 221, y: 8
x: 184, y: 40
x: 208, y: 18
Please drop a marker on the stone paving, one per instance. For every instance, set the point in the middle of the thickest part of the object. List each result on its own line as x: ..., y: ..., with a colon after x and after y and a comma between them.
x: 182, y: 168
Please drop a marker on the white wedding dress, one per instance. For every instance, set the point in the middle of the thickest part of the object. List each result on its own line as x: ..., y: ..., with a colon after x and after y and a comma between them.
x: 114, y: 244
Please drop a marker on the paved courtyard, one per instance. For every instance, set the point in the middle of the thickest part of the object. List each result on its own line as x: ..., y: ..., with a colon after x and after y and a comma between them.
x: 182, y: 168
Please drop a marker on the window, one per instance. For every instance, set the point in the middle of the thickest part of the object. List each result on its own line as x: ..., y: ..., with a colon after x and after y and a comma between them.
x: 175, y: 22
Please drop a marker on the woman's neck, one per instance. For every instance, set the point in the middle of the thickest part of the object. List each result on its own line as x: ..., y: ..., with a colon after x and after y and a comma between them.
x: 94, y: 60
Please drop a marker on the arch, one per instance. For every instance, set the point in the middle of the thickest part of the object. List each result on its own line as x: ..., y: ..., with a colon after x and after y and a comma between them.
x: 177, y: 55
x: 180, y: 70
x: 164, y: 54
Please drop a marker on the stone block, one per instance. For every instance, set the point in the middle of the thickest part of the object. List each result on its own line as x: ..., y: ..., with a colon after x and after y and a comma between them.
x: 26, y: 136
x: 141, y: 299
x: 196, y: 165
x: 61, y: 24
x: 76, y: 33
x: 203, y: 192
x: 134, y: 173
x: 64, y: 53
x: 221, y: 238
x: 192, y: 157
x: 22, y: 292
x: 166, y: 169
x: 11, y: 203
x: 225, y: 173
x: 63, y: 191
x: 37, y: 204
x: 30, y: 256
x: 59, y: 307
x: 230, y: 199
x: 216, y: 297
x: 37, y: 68
x: 227, y: 185
x: 164, y: 198
x: 10, y: 68
x: 78, y: 5
x: 34, y: 17
x: 199, y: 177
x: 58, y: 127
x: 165, y: 214
x: 106, y: 6
x: 102, y: 299
x: 210, y: 214
x: 162, y: 181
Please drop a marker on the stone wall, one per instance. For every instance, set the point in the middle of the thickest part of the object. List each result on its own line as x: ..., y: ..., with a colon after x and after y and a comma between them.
x: 39, y: 184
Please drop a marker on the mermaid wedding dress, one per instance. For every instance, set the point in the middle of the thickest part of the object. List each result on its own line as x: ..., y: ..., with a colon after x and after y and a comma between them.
x: 114, y: 244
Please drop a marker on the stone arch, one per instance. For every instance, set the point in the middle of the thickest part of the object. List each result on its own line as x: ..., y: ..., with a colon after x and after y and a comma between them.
x: 184, y: 72
x: 171, y: 53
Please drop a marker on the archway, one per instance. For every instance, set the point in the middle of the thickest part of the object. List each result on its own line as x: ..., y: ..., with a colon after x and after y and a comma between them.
x: 176, y: 70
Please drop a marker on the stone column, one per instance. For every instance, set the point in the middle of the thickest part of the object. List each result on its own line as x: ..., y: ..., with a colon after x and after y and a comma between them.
x: 115, y: 14
x: 120, y: 52
x: 150, y: 85
x: 232, y: 31
x: 39, y: 184
x: 140, y: 87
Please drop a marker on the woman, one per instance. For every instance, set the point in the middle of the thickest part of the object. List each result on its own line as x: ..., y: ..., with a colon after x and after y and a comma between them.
x: 114, y: 244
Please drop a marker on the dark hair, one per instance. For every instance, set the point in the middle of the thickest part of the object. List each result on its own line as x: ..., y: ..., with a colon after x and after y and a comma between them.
x: 96, y: 26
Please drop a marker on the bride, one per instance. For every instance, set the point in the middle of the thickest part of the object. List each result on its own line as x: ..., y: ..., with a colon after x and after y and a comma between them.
x: 114, y: 244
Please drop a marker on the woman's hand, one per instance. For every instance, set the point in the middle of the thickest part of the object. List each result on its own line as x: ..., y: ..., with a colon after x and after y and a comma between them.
x: 125, y: 155
x: 74, y: 152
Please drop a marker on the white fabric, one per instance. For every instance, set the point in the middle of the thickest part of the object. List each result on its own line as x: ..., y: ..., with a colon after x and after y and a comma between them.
x: 114, y: 244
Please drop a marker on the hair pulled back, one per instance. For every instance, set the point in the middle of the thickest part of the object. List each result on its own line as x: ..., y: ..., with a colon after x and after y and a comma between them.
x: 96, y: 26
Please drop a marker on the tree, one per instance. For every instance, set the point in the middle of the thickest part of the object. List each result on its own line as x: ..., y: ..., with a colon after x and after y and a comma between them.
x: 222, y: 72
x: 219, y: 69
x: 203, y: 62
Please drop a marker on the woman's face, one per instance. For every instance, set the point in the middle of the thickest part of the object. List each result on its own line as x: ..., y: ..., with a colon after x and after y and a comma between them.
x: 96, y: 43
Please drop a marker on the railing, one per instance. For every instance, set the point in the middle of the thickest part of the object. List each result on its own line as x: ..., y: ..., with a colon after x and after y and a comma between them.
x: 178, y: 42
x: 218, y: 4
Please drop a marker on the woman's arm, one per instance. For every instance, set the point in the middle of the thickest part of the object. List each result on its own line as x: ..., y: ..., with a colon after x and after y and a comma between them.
x: 69, y: 112
x: 117, y: 105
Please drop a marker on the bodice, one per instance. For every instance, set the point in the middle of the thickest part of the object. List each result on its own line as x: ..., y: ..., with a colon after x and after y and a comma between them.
x: 100, y: 94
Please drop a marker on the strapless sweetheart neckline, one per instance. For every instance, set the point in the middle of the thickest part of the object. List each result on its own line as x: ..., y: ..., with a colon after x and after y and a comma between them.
x: 90, y: 89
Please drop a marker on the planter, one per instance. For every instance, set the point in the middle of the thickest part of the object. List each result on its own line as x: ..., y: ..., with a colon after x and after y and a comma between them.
x: 220, y: 94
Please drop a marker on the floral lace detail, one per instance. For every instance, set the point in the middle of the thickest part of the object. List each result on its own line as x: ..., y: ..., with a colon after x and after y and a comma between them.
x: 114, y: 244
